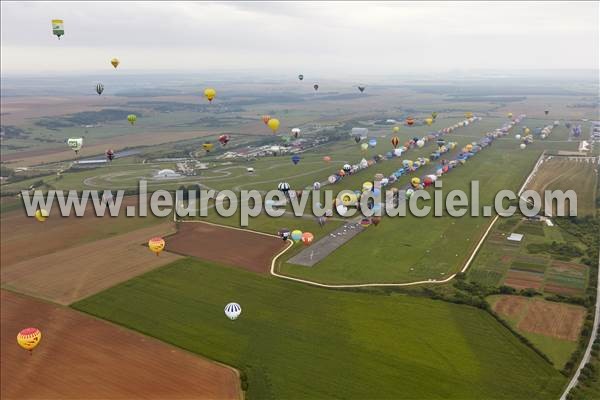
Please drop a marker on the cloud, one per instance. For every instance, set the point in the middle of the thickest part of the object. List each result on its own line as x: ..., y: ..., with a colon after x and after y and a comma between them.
x: 382, y: 37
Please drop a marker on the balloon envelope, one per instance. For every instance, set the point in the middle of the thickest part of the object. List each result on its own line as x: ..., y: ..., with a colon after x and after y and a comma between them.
x: 273, y: 124
x: 29, y: 338
x: 233, y: 311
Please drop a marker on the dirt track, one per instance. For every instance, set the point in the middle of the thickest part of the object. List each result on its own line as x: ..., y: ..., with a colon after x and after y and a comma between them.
x: 244, y: 249
x: 71, y: 274
x: 81, y: 357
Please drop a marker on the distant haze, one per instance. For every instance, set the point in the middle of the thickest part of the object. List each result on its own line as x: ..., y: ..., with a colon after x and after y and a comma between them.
x: 329, y: 39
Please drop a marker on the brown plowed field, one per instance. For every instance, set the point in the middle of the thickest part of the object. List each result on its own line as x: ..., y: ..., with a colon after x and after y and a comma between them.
x: 81, y: 357
x: 24, y: 238
x: 510, y: 306
x: 523, y: 280
x: 244, y: 249
x: 68, y: 275
x: 561, y: 321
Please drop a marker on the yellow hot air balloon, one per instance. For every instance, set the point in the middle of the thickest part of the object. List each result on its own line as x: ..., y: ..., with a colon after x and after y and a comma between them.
x: 468, y: 114
x: 156, y: 245
x: 396, y: 129
x: 132, y: 118
x: 469, y: 147
x: 509, y: 115
x: 415, y: 182
x: 429, y: 121
x: 207, y: 146
x: 115, y: 62
x: 273, y: 124
x: 29, y: 338
x: 210, y: 94
x: 58, y: 28
x: 41, y: 215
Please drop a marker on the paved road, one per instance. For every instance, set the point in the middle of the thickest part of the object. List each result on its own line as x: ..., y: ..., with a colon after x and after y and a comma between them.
x: 588, y: 350
x: 322, y: 248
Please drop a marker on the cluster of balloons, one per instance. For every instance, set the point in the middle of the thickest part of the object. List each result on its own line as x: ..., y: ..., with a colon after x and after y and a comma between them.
x: 296, y: 235
x: 468, y: 151
x: 361, y: 133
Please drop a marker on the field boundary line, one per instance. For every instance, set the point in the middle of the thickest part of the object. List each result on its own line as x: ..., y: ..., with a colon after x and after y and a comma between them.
x: 464, y: 268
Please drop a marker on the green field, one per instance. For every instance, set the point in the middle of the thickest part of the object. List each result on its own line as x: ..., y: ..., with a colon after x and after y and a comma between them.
x: 295, y: 341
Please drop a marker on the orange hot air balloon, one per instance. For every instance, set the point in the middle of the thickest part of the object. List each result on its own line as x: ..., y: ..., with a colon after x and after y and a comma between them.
x: 410, y: 121
x: 327, y: 159
x: 395, y: 141
x: 307, y: 238
x: 29, y: 338
x: 266, y: 119
x: 156, y: 245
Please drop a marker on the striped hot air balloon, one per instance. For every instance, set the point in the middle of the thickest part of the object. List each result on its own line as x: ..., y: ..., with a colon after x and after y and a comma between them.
x: 395, y: 141
x: 99, y: 89
x: 233, y: 311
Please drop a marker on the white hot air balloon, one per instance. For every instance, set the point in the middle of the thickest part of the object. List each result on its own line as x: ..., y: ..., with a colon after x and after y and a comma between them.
x: 233, y: 311
x: 523, y: 146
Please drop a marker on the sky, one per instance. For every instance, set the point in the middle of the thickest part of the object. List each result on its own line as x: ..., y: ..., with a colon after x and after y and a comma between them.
x: 329, y: 38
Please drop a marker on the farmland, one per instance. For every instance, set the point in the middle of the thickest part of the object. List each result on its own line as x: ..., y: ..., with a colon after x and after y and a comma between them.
x: 280, y: 345
x: 553, y: 327
x: 112, y: 362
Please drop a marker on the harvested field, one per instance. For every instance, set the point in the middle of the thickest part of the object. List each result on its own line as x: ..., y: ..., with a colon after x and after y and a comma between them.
x: 562, y: 321
x: 239, y: 248
x: 68, y: 275
x: 524, y: 280
x: 83, y: 357
x: 511, y: 306
x: 563, y: 290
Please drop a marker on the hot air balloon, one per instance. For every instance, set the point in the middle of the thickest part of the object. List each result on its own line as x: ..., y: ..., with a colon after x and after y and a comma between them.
x: 284, y: 233
x: 132, y: 118
x: 266, y: 118
x: 296, y: 132
x: 273, y: 124
x: 415, y: 182
x: 296, y: 235
x: 115, y: 62
x: 295, y: 159
x: 396, y: 129
x: 99, y: 89
x: 224, y: 139
x: 233, y: 311
x: 347, y: 168
x: 372, y: 142
x: 307, y: 238
x: 284, y: 187
x: 429, y: 121
x: 317, y: 185
x: 327, y: 159
x: 316, y: 87
x: 509, y: 115
x: 364, y: 147
x: 322, y: 220
x: 361, y: 88
x: 58, y: 28
x: 110, y: 154
x: 420, y: 143
x: 517, y: 136
x: 522, y: 146
x: 156, y: 245
x: 357, y: 139
x: 300, y: 77
x: 410, y: 121
x: 526, y: 131
x: 75, y: 144
x: 210, y: 94
x: 29, y: 338
x: 434, y: 115
x: 41, y: 215
x: 375, y: 220
x: 207, y: 146
x: 395, y: 141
